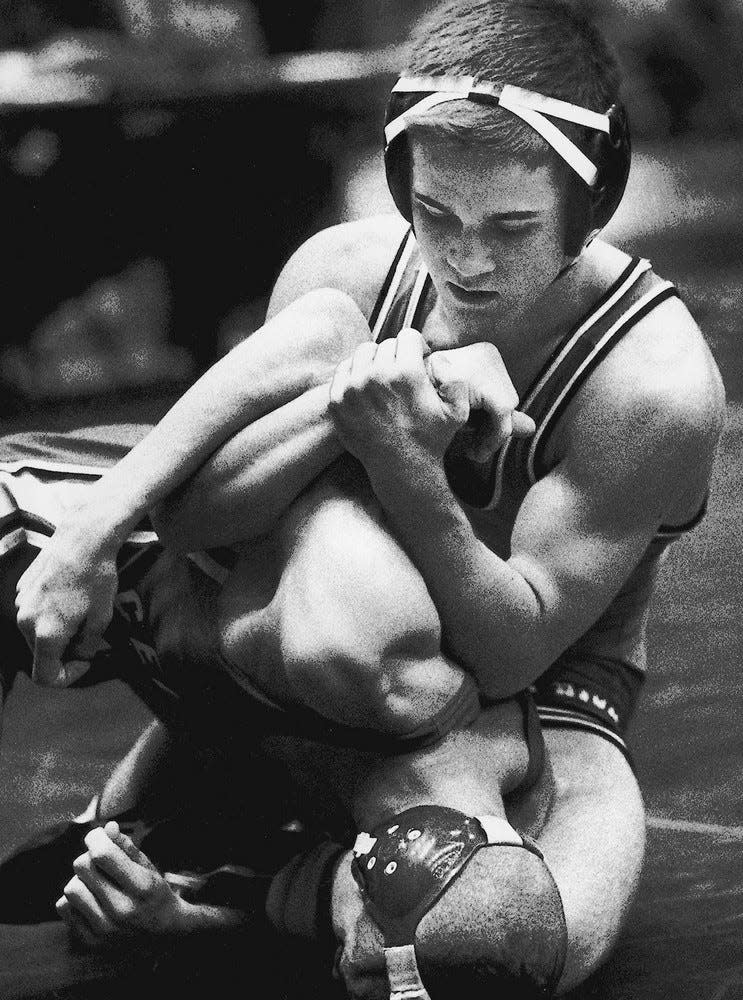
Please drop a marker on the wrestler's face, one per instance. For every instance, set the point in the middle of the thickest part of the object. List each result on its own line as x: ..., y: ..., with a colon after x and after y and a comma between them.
x: 490, y: 228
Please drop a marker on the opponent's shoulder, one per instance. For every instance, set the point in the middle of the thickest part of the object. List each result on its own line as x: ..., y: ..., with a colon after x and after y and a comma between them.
x: 353, y: 257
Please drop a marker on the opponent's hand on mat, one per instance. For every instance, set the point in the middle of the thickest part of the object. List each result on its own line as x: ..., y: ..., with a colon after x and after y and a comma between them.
x: 117, y: 893
x: 64, y: 602
x: 387, y: 411
x: 491, y: 394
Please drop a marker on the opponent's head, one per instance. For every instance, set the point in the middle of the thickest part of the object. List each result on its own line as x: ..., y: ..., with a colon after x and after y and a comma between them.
x: 471, y: 63
x: 444, y: 918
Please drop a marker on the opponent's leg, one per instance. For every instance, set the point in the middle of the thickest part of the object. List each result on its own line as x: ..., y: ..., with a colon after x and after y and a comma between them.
x: 332, y: 615
x: 593, y: 842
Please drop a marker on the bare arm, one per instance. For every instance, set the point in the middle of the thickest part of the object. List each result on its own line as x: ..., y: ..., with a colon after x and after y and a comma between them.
x: 68, y: 590
x: 242, y: 490
x: 580, y: 532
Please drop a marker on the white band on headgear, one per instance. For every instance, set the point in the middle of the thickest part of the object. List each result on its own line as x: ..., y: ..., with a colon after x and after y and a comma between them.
x: 528, y: 105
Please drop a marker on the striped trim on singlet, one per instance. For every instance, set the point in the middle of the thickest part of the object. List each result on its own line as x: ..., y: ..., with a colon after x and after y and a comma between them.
x: 521, y: 462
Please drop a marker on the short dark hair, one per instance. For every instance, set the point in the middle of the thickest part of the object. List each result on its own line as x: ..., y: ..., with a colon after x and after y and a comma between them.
x: 541, y: 45
x: 498, y: 930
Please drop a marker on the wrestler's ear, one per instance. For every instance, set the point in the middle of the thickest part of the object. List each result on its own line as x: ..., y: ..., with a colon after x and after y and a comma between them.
x: 362, y: 965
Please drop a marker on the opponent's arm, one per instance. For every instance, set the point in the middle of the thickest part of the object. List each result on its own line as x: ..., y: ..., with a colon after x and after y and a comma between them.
x: 72, y: 583
x: 580, y: 531
x: 245, y: 486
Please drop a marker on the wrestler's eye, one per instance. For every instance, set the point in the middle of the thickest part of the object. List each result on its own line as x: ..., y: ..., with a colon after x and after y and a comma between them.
x: 391, y: 868
x: 437, y: 216
x: 413, y: 834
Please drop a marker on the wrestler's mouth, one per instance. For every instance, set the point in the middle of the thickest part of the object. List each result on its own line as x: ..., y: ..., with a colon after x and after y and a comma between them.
x: 471, y: 296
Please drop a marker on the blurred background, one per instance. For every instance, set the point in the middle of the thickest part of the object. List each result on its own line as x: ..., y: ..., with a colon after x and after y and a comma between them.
x: 159, y: 160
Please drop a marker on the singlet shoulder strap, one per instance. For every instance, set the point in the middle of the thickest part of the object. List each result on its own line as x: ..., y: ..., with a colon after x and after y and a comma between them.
x: 632, y: 295
x: 594, y: 343
x: 403, y: 292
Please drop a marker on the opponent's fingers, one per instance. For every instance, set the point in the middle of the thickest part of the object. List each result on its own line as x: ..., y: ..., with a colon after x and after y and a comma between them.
x: 71, y: 671
x: 134, y: 875
x: 116, y: 904
x: 127, y: 845
x: 84, y: 903
x: 48, y: 647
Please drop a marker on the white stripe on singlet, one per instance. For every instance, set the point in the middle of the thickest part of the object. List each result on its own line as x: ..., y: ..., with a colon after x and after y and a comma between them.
x: 394, y: 285
x: 574, y: 719
x: 639, y: 269
x: 415, y: 297
x: 641, y: 303
x: 57, y: 468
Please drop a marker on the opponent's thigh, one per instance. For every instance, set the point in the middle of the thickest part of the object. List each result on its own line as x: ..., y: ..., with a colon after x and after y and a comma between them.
x: 593, y: 842
x: 358, y: 631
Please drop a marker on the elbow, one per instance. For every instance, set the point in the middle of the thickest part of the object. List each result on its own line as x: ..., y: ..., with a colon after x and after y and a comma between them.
x: 506, y: 663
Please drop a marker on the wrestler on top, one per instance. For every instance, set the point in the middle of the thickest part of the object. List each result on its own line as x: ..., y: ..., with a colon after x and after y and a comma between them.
x: 537, y: 532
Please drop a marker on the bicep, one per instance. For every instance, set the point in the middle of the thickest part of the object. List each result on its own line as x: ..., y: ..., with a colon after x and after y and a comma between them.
x: 575, y: 546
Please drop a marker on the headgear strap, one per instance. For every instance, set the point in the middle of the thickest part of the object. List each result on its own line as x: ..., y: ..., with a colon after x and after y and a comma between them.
x: 528, y: 105
x: 406, y: 864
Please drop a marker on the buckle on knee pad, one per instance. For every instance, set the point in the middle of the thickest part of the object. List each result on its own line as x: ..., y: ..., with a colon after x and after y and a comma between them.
x: 406, y: 864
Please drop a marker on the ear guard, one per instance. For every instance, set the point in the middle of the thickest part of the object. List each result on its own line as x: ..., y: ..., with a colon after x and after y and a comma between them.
x: 601, y: 175
x: 404, y: 866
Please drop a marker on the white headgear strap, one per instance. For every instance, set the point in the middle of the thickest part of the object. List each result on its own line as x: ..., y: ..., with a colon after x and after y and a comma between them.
x: 528, y: 105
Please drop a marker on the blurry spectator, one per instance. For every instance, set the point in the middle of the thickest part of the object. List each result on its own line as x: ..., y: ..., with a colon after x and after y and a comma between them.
x: 111, y: 337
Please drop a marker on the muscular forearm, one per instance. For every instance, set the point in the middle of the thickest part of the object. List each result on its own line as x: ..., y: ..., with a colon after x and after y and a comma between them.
x: 296, y: 351
x: 491, y: 617
x: 244, y: 487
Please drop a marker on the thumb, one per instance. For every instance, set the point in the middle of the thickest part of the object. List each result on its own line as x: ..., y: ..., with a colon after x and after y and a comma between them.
x: 49, y: 671
x: 455, y: 395
x: 73, y: 670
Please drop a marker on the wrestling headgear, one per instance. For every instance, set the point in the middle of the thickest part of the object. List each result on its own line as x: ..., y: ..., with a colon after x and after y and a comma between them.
x: 602, y: 172
x: 406, y: 863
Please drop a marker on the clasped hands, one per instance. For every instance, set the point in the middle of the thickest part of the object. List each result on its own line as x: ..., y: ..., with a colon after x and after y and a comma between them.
x: 395, y: 402
x: 116, y: 892
x: 394, y: 405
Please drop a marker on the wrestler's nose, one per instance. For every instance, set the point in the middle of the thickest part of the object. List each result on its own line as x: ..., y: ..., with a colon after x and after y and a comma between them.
x: 471, y: 258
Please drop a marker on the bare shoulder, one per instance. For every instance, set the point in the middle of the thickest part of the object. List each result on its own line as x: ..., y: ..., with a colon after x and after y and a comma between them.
x: 664, y: 370
x: 656, y: 403
x: 352, y: 257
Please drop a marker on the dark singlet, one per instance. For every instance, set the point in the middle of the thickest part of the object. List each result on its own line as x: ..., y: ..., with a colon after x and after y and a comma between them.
x: 595, y: 683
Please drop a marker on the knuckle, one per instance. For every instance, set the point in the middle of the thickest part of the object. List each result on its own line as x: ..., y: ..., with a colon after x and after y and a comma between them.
x: 125, y: 911
x: 82, y: 864
x: 73, y: 888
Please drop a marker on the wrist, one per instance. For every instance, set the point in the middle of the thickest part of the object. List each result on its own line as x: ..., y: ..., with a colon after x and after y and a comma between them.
x: 97, y: 523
